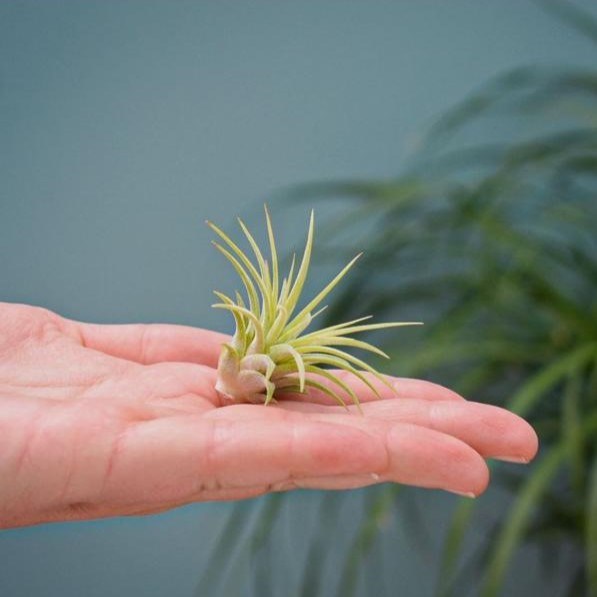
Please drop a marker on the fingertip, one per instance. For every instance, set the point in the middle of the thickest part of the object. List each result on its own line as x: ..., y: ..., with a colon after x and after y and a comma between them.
x: 533, y: 441
x: 525, y: 442
x: 522, y: 439
x: 428, y: 458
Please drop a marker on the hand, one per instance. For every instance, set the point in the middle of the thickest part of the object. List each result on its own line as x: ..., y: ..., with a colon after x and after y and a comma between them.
x: 114, y: 420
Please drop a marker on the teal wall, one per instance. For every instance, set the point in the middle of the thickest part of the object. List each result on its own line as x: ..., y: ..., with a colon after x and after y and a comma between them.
x: 125, y: 124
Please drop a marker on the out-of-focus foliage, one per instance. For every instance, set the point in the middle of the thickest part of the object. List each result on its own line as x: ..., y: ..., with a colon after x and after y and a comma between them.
x: 494, y: 246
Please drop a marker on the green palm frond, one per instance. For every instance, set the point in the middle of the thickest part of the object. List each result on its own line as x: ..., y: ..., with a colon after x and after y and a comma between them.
x: 269, y: 352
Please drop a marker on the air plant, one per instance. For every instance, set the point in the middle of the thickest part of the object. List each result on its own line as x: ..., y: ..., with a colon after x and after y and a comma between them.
x: 269, y: 354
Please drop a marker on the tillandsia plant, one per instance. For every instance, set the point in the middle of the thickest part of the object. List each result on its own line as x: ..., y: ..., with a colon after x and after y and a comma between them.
x: 269, y: 354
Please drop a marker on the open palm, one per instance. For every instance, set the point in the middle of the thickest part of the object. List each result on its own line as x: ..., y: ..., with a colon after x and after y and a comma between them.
x: 102, y: 421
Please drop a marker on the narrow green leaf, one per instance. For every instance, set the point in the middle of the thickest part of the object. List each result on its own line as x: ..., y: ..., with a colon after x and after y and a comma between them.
x: 301, y: 275
x: 345, y: 324
x: 549, y: 377
x: 366, y: 534
x: 257, y: 327
x: 459, y: 524
x: 281, y: 352
x: 582, y: 20
x: 246, y: 262
x: 244, y: 276
x: 294, y: 329
x: 335, y: 379
x: 328, y: 288
x: 226, y: 543
x: 316, y: 339
x: 591, y: 531
x: 526, y: 502
x: 291, y: 332
x: 269, y: 304
x: 571, y: 430
x: 287, y: 282
x: 311, y: 578
x: 253, y: 243
x: 356, y: 361
x: 273, y: 253
x: 326, y: 390
x: 518, y: 519
x: 375, y: 326
x: 339, y: 363
x: 239, y: 319
x: 273, y: 335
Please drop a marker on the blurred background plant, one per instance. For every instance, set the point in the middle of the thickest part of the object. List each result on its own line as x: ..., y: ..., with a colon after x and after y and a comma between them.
x: 494, y: 246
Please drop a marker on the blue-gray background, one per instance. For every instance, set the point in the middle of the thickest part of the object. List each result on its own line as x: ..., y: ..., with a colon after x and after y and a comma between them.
x: 123, y: 125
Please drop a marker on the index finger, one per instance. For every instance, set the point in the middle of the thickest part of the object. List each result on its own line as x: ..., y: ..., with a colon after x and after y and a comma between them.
x: 154, y: 343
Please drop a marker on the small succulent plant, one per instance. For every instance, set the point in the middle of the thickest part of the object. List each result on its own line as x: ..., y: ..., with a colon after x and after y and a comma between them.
x: 269, y: 354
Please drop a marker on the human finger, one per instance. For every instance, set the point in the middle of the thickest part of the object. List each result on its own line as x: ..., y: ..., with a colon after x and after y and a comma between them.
x: 492, y: 431
x: 154, y: 343
x: 281, y: 450
x: 395, y: 387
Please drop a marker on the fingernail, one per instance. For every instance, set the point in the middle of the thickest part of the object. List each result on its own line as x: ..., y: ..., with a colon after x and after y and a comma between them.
x: 375, y: 476
x: 467, y: 494
x: 516, y: 459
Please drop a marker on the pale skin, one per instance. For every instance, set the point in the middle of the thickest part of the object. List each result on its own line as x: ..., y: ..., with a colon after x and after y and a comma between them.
x: 111, y: 420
